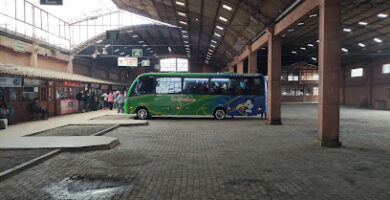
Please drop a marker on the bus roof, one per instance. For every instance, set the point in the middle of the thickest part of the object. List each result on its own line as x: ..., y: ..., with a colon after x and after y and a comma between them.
x: 219, y: 75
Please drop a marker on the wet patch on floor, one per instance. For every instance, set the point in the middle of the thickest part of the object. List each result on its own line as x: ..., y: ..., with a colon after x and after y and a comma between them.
x: 73, y: 130
x: 87, y: 187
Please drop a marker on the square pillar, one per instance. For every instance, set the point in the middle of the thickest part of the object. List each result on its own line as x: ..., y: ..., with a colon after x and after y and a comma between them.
x: 240, y: 67
x: 34, y: 56
x: 274, y: 74
x: 329, y: 73
x: 69, y: 67
x: 252, y: 62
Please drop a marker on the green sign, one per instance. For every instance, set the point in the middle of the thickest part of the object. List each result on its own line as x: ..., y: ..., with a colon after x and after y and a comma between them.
x: 19, y: 47
x: 145, y: 63
x: 112, y: 35
x: 136, y: 52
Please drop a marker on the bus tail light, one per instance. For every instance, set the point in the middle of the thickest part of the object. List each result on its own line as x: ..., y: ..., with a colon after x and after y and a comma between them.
x: 229, y: 108
x: 259, y: 109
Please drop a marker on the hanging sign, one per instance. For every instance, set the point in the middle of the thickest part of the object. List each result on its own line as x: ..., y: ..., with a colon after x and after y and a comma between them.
x: 136, y: 52
x: 19, y: 47
x: 145, y: 63
x: 32, y: 82
x: 71, y: 84
x: 127, y: 62
x: 10, y: 82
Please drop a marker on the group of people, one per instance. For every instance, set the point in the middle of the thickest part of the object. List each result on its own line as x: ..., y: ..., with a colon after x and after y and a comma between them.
x: 101, y: 101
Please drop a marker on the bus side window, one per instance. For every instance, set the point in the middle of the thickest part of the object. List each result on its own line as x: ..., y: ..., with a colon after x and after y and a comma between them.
x: 146, y: 85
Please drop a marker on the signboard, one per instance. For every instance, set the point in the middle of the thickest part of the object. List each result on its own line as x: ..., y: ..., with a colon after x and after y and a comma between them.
x: 145, y: 63
x: 68, y: 106
x: 50, y: 2
x: 128, y: 61
x: 10, y: 82
x: 32, y: 82
x: 136, y: 52
x: 157, y: 67
x: 71, y: 84
x: 112, y: 35
x: 104, y: 87
x: 94, y: 85
x: 19, y: 47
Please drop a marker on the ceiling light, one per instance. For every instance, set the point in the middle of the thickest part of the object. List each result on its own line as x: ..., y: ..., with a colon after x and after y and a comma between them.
x: 185, y: 36
x: 222, y: 19
x: 169, y: 49
x: 180, y: 3
x: 362, y: 45
x: 99, y: 41
x: 187, y: 45
x: 181, y: 14
x: 134, y: 36
x: 314, y: 58
x: 293, y: 52
x: 151, y: 51
x: 303, y: 48
x: 123, y: 53
x: 141, y: 41
x: 227, y: 7
x: 116, y: 50
x: 212, y: 45
x: 317, y: 41
x: 363, y: 23
x: 107, y: 45
x: 211, y: 50
x: 144, y: 45
x: 344, y: 50
x: 382, y: 15
x: 148, y: 49
x: 300, y: 23
x: 310, y: 45
x: 377, y: 40
x: 184, y: 31
x: 290, y: 30
x: 347, y: 30
x: 220, y: 28
x: 183, y: 22
x: 185, y: 41
x: 217, y: 34
x: 213, y: 41
x: 313, y: 15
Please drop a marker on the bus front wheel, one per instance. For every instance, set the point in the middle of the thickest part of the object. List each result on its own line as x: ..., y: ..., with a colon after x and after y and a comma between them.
x: 142, y: 113
x: 219, y: 113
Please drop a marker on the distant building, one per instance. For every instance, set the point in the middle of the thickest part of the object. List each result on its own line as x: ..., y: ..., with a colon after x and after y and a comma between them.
x: 299, y: 83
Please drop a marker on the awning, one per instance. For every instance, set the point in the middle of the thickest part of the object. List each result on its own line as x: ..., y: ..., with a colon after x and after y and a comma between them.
x: 31, y: 72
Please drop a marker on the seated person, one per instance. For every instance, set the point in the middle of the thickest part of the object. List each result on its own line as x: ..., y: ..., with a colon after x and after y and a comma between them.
x: 37, y: 108
x: 4, y: 111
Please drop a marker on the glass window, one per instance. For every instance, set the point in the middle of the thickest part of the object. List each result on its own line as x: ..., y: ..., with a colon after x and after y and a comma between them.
x: 145, y: 85
x: 174, y: 64
x: 247, y: 86
x: 13, y: 94
x: 386, y: 69
x: 195, y: 85
x: 293, y: 77
x: 219, y: 86
x: 168, y: 85
x: 29, y: 93
x: 358, y: 72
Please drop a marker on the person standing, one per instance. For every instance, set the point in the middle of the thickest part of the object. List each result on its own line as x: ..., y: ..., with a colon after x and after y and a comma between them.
x: 4, y: 112
x: 37, y: 108
x: 120, y: 100
x: 110, y: 100
x: 80, y: 99
x: 105, y: 100
x: 87, y: 100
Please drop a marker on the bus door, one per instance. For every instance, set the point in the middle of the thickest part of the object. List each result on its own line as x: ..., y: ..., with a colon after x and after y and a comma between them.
x: 168, y: 89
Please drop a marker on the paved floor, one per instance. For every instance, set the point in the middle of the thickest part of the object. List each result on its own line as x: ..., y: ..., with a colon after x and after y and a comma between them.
x: 230, y: 159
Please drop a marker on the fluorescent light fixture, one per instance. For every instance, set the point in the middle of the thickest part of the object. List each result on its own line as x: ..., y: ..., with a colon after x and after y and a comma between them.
x: 213, y: 41
x: 310, y: 45
x: 148, y: 49
x: 180, y: 3
x: 181, y: 14
x: 116, y: 50
x: 382, y: 15
x: 185, y: 36
x: 300, y: 23
x: 184, y: 31
x: 362, y: 45
x: 363, y: 23
x: 314, y: 58
x: 188, y: 49
x: 303, y: 48
x: 293, y: 52
x: 318, y: 41
x: 290, y: 30
x: 347, y: 30
x: 219, y: 27
x: 211, y: 50
x: 107, y: 45
x: 212, y: 45
x: 187, y: 45
x: 99, y: 41
x: 313, y: 15
x: 123, y: 53
x: 377, y: 40
x: 134, y: 36
x: 169, y: 49
x: 222, y: 19
x: 151, y: 51
x: 141, y: 41
x: 185, y: 41
x: 344, y: 50
x: 227, y: 7
x: 144, y: 45
x: 217, y: 34
x: 183, y: 22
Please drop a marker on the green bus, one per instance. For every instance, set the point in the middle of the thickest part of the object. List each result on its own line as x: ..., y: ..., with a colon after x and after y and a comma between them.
x: 194, y: 94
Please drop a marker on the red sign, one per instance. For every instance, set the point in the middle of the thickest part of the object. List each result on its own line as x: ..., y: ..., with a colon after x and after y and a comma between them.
x: 69, y: 106
x: 71, y: 84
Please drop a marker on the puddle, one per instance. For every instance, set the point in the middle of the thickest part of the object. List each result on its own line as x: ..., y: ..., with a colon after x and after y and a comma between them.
x: 80, y: 187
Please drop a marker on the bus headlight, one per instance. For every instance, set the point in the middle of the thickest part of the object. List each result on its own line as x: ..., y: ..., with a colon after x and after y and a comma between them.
x: 131, y: 107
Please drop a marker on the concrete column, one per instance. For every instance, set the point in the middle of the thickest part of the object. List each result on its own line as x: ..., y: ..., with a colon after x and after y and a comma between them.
x: 34, y: 56
x: 274, y: 74
x: 69, y: 67
x: 329, y: 73
x: 252, y: 62
x: 240, y: 67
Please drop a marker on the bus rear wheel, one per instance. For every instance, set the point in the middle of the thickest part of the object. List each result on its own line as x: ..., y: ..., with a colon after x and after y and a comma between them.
x: 219, y: 114
x: 142, y: 113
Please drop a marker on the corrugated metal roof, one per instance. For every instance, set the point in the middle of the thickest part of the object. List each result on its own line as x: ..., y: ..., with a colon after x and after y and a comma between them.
x: 31, y: 72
